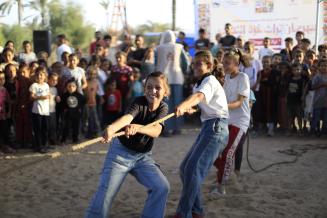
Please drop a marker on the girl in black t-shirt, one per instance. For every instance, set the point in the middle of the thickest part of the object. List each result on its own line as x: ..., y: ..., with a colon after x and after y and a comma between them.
x: 131, y: 153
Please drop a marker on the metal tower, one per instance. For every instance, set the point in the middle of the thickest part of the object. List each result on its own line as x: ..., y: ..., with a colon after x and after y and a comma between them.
x: 119, y: 16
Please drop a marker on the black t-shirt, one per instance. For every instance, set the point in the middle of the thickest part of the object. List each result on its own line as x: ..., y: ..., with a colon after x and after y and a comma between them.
x: 185, y: 45
x: 137, y: 55
x: 139, y: 109
x: 228, y: 41
x: 72, y: 103
x: 202, y: 44
x: 295, y: 90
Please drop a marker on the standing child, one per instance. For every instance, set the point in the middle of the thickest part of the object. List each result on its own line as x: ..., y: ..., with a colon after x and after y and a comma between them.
x: 72, y: 103
x: 5, y: 111
x: 40, y: 94
x: 122, y: 74
x: 112, y: 103
x: 265, y: 97
x: 8, y: 57
x: 136, y: 89
x: 73, y: 71
x: 54, y: 99
x: 210, y: 97
x: 319, y: 85
x: 294, y: 97
x: 23, y: 122
x: 282, y: 86
x: 91, y: 102
x: 10, y: 85
x: 237, y: 89
x: 28, y: 55
x: 132, y: 153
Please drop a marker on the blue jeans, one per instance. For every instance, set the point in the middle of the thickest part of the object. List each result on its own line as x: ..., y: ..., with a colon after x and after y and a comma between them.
x: 175, y: 98
x: 317, y: 115
x: 118, y: 163
x: 93, y: 121
x: 209, y: 144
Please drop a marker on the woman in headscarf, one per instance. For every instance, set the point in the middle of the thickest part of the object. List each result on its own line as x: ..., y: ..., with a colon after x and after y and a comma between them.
x: 171, y: 59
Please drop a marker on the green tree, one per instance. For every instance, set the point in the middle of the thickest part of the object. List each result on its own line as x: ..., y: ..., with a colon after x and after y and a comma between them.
x: 17, y: 34
x: 152, y: 27
x: 42, y: 7
x: 7, y: 5
x: 68, y: 19
x: 2, y: 36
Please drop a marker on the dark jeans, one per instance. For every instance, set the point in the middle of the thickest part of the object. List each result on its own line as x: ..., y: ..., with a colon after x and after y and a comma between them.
x: 175, y: 98
x: 53, y: 127
x: 40, y: 128
x: 71, y: 123
x: 319, y: 114
x: 4, y: 133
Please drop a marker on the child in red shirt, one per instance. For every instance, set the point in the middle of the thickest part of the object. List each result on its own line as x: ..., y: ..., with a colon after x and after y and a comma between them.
x: 113, y: 105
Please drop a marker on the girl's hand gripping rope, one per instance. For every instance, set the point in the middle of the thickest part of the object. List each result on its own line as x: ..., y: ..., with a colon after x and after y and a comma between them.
x: 108, y: 134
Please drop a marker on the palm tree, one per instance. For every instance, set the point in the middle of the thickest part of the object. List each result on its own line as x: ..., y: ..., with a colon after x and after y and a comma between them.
x: 173, y: 27
x: 152, y: 27
x: 6, y: 6
x: 105, y: 5
x: 42, y: 7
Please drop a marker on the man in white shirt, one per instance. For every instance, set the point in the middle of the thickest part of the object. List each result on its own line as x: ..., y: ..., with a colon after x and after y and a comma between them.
x: 265, y: 51
x: 62, y: 46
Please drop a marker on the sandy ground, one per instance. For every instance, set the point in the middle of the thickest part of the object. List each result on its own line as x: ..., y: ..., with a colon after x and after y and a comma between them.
x: 63, y: 187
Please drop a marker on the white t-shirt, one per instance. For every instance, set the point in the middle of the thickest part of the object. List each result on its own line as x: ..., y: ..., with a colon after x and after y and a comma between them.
x: 265, y: 52
x: 102, y: 78
x: 61, y: 49
x: 52, y: 100
x: 215, y: 104
x: 239, y: 85
x: 251, y: 72
x: 112, y: 55
x: 78, y: 74
x: 27, y: 58
x: 41, y: 107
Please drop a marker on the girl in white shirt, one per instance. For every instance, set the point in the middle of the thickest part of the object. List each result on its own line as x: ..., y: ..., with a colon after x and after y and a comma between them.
x: 237, y: 90
x: 40, y: 94
x: 209, y: 95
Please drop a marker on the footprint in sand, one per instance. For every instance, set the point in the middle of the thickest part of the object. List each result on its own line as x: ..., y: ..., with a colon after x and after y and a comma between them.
x: 236, y: 202
x: 283, y: 195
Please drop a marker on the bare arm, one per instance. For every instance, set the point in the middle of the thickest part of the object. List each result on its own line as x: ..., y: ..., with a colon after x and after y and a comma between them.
x: 115, y: 126
x: 191, y: 101
x: 84, y: 82
x: 34, y: 97
x: 152, y: 131
x: 236, y: 104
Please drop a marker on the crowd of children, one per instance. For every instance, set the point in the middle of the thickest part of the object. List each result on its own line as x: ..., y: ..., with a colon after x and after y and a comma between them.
x: 44, y: 105
x: 41, y: 105
x: 85, y: 93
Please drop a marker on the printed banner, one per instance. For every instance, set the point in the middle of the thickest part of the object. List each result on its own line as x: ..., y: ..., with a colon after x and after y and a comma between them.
x: 256, y: 19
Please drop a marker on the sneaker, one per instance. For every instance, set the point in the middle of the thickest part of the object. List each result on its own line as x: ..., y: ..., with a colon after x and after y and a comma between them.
x: 217, y: 193
x: 43, y: 150
x: 8, y: 150
x: 195, y: 215
x: 167, y: 134
x: 177, y: 132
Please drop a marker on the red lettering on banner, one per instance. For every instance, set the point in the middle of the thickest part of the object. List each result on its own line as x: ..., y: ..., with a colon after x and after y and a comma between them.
x: 273, y: 41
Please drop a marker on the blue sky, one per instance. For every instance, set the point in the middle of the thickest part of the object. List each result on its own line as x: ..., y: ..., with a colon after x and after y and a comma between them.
x: 138, y: 12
